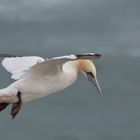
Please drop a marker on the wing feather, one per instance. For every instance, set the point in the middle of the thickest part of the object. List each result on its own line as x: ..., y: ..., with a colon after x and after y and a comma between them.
x: 17, y: 65
x: 90, y: 56
x: 55, y: 64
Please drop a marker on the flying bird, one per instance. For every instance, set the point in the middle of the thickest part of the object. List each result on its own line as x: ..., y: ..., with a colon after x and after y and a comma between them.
x: 36, y: 77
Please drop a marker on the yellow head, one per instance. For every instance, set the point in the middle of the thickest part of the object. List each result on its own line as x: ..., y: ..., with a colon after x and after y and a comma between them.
x: 88, y: 69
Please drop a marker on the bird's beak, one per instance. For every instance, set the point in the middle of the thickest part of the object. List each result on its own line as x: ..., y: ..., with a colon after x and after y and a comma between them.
x: 93, y: 80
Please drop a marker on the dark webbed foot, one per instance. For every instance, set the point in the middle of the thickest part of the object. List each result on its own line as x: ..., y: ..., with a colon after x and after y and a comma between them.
x: 16, y: 106
x: 3, y: 106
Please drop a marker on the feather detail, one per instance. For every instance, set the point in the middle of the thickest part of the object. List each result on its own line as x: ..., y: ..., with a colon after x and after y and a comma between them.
x: 17, y: 65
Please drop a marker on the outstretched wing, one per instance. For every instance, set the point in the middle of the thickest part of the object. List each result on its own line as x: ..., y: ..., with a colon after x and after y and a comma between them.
x: 90, y: 56
x: 55, y: 64
x: 18, y: 65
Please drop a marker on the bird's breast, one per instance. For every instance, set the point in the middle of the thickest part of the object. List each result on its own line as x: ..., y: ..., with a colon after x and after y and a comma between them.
x: 34, y: 86
x: 42, y: 86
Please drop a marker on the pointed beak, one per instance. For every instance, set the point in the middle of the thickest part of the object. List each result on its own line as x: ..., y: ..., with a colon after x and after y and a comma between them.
x: 93, y: 80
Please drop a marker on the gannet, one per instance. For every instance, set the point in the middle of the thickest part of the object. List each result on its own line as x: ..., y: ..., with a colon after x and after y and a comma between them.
x: 36, y: 77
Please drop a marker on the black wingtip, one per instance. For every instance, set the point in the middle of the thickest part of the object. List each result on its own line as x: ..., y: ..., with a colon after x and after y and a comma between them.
x: 98, y: 55
x: 2, y: 55
x: 92, y: 56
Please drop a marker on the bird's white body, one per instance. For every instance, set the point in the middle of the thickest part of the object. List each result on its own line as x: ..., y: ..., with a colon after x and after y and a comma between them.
x: 37, y: 77
x: 36, y: 86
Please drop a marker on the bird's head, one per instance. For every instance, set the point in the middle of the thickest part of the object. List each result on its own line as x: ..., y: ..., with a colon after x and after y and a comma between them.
x: 88, y: 69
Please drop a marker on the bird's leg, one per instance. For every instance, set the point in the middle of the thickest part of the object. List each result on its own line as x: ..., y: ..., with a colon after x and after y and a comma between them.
x: 16, y: 106
x: 3, y: 106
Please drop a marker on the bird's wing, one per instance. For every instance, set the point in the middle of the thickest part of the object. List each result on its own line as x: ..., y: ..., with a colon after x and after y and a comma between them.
x: 17, y: 65
x: 54, y: 65
x: 90, y: 56
x: 34, y: 65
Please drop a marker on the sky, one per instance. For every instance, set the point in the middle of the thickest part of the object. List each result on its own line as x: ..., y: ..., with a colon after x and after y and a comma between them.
x: 104, y: 25
x: 50, y: 28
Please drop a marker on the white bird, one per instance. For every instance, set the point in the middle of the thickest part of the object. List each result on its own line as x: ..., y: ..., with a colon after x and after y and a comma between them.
x: 37, y: 77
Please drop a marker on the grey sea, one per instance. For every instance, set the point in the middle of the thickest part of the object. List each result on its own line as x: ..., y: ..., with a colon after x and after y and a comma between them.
x: 57, y: 27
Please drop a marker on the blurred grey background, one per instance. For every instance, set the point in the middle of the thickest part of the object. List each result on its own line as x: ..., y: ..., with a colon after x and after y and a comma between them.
x: 56, y: 27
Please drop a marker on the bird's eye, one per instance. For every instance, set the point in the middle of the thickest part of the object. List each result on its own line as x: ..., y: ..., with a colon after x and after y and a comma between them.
x: 89, y: 73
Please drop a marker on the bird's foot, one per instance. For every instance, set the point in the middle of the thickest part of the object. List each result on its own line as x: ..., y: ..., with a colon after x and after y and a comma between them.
x: 16, y: 106
x: 3, y: 106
